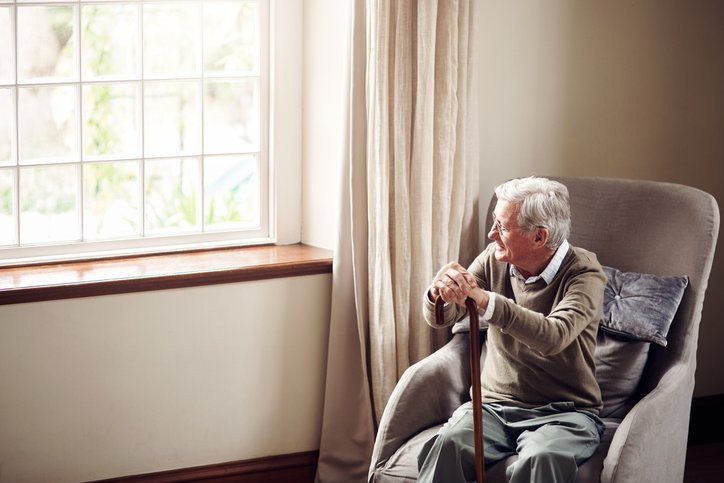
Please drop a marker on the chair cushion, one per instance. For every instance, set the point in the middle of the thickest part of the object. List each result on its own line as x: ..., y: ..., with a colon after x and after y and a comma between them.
x: 641, y: 306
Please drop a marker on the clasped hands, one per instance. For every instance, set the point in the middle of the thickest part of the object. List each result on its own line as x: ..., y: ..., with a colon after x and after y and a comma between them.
x: 453, y: 283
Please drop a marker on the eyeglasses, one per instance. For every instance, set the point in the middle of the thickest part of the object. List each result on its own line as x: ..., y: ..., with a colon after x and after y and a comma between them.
x: 500, y: 228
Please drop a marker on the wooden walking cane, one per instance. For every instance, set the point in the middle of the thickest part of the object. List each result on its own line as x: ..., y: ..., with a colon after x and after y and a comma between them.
x: 475, y: 376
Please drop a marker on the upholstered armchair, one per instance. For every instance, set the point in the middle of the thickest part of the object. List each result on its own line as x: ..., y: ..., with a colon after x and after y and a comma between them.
x: 636, y: 226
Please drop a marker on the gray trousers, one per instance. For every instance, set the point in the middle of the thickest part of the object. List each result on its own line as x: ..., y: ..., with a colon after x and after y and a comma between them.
x: 551, y: 442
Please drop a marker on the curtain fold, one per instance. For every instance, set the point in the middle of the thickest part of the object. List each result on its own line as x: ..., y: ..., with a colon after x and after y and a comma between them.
x: 408, y: 204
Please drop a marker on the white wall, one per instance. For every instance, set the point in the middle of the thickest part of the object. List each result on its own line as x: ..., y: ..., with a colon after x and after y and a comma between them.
x: 126, y: 384
x: 617, y: 88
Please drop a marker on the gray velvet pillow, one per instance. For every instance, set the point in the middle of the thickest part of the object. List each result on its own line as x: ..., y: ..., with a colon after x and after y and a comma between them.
x: 641, y: 306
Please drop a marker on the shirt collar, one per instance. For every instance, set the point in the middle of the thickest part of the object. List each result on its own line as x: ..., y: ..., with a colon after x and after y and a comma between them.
x: 551, y: 269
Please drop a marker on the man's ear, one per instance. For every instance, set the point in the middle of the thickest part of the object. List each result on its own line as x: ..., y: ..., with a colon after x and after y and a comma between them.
x: 541, y: 236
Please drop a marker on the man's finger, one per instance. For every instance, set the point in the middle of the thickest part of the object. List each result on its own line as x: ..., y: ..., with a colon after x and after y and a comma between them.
x: 460, y: 280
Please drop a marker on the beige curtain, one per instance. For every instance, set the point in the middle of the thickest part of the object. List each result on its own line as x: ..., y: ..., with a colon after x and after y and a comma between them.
x: 408, y: 205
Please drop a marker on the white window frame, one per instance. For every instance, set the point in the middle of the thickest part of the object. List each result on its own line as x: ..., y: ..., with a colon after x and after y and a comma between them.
x: 285, y: 111
x: 281, y: 128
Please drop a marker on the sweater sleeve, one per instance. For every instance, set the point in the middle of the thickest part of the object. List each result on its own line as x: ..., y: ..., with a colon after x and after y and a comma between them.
x: 451, y: 312
x: 551, y: 333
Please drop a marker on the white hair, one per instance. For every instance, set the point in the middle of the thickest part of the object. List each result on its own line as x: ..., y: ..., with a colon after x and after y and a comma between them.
x: 542, y: 203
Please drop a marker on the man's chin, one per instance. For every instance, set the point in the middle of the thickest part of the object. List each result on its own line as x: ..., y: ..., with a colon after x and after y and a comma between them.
x: 500, y: 255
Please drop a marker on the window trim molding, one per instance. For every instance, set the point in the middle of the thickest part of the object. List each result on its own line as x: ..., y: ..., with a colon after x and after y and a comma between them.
x: 285, y: 112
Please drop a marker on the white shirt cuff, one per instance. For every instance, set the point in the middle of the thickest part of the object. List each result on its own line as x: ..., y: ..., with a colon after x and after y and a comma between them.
x: 488, y: 314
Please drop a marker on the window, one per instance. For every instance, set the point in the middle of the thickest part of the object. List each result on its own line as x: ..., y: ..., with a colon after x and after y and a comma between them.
x: 128, y: 125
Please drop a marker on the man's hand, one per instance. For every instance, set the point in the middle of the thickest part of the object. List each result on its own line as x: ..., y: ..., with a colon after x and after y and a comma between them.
x: 453, y: 283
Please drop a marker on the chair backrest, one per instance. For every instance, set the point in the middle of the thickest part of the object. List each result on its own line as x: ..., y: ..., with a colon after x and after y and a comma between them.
x: 649, y: 227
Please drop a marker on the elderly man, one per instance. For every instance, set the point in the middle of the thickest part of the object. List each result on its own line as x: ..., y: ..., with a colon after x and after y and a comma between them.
x: 542, y: 300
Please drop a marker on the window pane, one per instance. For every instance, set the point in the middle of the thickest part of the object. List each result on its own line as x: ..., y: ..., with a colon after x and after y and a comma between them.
x: 171, y: 38
x: 49, y: 204
x: 7, y: 121
x: 110, y: 39
x: 46, y: 38
x: 231, y: 116
x: 172, y: 118
x: 47, y: 130
x: 231, y: 192
x: 125, y: 119
x: 111, y: 120
x: 111, y: 197
x: 6, y: 46
x: 7, y: 197
x: 172, y: 195
x: 231, y: 37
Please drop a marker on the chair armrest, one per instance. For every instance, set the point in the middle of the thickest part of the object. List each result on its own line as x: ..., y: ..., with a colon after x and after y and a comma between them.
x: 650, y: 443
x: 426, y: 394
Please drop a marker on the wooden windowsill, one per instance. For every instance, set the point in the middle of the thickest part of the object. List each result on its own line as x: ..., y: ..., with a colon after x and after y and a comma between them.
x: 157, y: 272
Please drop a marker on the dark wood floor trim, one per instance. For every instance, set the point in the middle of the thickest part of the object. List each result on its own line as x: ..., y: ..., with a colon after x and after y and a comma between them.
x: 706, y: 424
x: 36, y: 283
x: 289, y: 468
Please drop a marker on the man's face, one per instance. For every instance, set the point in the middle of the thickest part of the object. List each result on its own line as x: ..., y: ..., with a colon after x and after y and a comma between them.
x: 513, y: 245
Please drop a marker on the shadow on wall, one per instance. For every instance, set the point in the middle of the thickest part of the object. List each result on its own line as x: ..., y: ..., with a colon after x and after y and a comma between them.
x: 644, y: 99
x: 618, y: 89
x: 643, y: 94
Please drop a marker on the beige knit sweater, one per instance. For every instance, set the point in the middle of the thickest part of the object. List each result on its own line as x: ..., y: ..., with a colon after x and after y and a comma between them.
x: 542, y: 336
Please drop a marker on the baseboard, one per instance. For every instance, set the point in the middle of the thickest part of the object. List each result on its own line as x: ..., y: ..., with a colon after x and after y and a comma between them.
x: 706, y: 424
x: 288, y: 468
